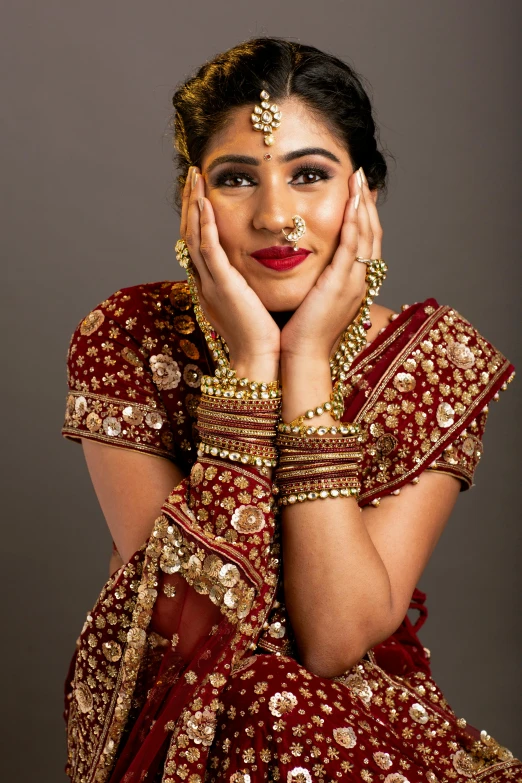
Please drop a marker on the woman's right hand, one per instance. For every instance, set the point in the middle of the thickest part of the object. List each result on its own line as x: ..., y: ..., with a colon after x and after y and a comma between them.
x: 231, y: 306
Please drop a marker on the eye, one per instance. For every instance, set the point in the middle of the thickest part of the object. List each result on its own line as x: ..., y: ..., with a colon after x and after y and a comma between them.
x: 232, y: 179
x: 312, y: 171
x: 224, y: 177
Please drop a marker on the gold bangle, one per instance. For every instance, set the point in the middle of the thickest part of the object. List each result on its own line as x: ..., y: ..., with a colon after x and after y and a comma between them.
x: 236, y: 456
x: 300, y: 497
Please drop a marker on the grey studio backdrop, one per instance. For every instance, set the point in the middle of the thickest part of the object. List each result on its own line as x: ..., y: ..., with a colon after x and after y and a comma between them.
x: 86, y: 176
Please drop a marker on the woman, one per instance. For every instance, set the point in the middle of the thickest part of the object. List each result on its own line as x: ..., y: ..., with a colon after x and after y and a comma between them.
x: 297, y: 423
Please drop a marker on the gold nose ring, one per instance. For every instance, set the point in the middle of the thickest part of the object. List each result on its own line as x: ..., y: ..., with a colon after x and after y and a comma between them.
x: 297, y: 232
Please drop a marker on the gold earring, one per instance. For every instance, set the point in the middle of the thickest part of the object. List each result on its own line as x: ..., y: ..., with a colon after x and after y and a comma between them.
x: 298, y: 231
x: 266, y: 118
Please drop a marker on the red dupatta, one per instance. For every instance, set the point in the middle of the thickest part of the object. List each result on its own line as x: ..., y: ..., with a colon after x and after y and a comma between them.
x: 195, y: 600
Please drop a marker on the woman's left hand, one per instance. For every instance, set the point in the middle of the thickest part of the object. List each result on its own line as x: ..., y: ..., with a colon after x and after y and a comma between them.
x: 333, y: 302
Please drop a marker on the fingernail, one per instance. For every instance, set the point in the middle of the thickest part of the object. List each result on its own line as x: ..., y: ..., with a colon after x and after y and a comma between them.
x: 363, y: 176
x: 356, y: 202
x: 201, y: 204
x: 359, y: 179
x: 194, y: 178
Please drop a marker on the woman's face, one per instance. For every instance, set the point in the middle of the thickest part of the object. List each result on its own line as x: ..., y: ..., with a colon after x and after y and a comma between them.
x: 255, y: 199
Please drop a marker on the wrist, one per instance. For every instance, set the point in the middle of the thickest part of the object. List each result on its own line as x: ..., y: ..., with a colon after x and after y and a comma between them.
x: 305, y: 384
x: 257, y: 368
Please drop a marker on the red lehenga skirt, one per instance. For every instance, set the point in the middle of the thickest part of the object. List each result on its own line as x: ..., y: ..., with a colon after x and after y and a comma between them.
x: 218, y: 707
x: 185, y: 670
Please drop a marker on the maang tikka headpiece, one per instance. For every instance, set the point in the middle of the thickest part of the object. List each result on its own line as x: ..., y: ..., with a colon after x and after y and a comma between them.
x: 266, y: 117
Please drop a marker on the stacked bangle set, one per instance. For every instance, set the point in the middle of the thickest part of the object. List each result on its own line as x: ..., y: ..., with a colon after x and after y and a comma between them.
x: 235, y: 422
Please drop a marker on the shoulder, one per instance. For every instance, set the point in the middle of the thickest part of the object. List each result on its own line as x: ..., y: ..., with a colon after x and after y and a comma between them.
x: 134, y: 366
x: 137, y: 308
x: 145, y: 313
x: 150, y: 326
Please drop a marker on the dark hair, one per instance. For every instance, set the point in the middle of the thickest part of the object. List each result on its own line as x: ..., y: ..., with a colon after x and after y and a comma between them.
x: 329, y: 87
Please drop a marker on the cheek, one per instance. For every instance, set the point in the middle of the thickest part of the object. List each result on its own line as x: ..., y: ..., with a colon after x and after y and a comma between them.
x: 230, y: 222
x: 328, y: 214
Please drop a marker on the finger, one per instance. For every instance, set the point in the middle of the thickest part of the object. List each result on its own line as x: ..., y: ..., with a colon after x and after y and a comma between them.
x: 375, y: 223
x: 365, y: 242
x: 193, y: 237
x: 210, y: 246
x: 184, y: 203
x: 344, y: 258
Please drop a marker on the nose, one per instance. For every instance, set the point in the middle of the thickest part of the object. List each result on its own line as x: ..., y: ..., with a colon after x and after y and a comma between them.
x: 274, y: 208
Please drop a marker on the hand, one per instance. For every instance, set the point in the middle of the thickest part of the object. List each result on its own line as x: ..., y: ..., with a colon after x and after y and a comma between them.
x: 231, y: 306
x: 313, y: 330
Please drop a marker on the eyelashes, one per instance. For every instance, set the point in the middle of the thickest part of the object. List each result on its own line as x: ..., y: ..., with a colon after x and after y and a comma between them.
x: 229, y: 174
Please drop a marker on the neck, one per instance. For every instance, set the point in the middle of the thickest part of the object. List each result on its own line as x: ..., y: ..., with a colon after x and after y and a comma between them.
x: 282, y: 317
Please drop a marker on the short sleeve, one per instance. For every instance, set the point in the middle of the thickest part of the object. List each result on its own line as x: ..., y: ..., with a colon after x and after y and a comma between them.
x: 424, y: 400
x: 460, y: 458
x: 119, y: 369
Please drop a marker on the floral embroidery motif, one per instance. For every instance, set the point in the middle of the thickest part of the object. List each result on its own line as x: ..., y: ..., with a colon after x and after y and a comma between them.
x: 131, y: 357
x: 132, y: 415
x: 111, y: 426
x: 184, y: 324
x: 93, y: 422
x: 92, y: 322
x: 466, y: 764
x: 112, y: 651
x: 445, y: 415
x: 165, y: 371
x: 419, y: 713
x: 383, y: 760
x: 461, y: 355
x: 385, y: 444
x: 299, y: 775
x: 201, y: 726
x: 248, y: 519
x: 404, y: 382
x: 83, y: 697
x: 196, y: 474
x: 356, y: 682
x: 189, y: 349
x: 282, y: 703
x: 345, y: 736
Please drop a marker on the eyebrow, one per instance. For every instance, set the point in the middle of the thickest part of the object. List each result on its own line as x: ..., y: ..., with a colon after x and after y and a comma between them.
x: 247, y: 160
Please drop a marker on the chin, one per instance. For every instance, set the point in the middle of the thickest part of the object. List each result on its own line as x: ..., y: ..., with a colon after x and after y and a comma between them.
x: 283, y: 298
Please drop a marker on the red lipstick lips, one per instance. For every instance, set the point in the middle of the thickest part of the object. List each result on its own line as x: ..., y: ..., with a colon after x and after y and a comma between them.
x: 280, y: 258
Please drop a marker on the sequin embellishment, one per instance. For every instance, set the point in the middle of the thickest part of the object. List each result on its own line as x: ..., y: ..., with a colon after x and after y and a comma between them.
x: 248, y: 519
x: 345, y: 736
x: 445, y: 414
x: 91, y: 322
x: 282, y: 703
x: 165, y: 371
x: 461, y: 356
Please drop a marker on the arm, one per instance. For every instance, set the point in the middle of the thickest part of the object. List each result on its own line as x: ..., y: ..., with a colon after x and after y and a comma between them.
x: 131, y: 487
x: 364, y: 564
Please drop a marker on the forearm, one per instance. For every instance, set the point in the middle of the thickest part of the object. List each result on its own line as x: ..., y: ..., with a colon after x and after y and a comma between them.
x: 337, y: 589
